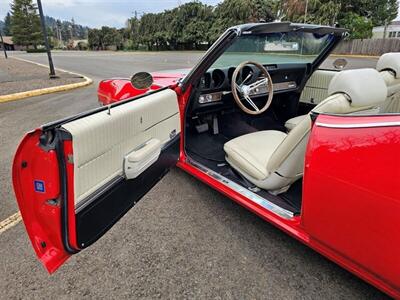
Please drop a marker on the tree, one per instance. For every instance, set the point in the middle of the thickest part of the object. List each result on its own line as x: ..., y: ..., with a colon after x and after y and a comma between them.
x: 7, y: 24
x: 233, y: 12
x: 131, y: 33
x: 359, y: 16
x: 359, y: 27
x: 190, y: 24
x: 94, y: 39
x: 25, y: 24
x: 73, y: 28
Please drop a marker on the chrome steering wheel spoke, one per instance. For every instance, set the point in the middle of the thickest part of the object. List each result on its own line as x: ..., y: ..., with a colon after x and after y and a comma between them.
x: 241, y: 92
x: 248, y: 99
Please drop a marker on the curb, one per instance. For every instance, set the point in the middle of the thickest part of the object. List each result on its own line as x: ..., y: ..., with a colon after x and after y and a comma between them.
x: 355, y: 55
x: 49, y: 90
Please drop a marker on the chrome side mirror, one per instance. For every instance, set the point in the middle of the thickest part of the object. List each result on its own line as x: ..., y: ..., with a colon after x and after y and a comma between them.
x: 142, y: 80
x: 340, y: 63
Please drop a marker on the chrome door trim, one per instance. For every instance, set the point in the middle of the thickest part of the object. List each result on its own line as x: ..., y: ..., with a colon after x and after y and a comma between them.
x: 359, y: 125
x: 266, y: 204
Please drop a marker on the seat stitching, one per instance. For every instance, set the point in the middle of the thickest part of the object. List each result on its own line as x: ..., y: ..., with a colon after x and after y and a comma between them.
x: 233, y: 150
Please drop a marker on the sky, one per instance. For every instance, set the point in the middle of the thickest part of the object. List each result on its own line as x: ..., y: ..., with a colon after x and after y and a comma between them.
x: 96, y: 13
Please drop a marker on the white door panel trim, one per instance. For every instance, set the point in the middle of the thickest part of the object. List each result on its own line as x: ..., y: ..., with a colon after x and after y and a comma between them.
x: 101, y: 140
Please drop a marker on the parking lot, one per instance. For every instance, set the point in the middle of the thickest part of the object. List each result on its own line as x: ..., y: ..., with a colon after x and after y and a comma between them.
x: 183, y: 240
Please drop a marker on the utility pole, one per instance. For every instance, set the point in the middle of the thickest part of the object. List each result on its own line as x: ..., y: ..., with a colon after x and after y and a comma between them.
x: 46, y: 40
x: 305, y: 12
x: 385, y: 29
x: 4, y: 46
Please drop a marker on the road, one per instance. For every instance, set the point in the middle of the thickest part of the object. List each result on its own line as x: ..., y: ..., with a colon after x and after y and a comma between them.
x: 183, y: 240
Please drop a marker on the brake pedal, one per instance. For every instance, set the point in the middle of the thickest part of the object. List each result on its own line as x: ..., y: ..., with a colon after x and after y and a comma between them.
x: 202, y: 128
x: 215, y: 125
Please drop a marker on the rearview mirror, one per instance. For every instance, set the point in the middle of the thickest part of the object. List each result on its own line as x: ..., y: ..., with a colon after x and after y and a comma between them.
x: 340, y: 63
x: 142, y: 80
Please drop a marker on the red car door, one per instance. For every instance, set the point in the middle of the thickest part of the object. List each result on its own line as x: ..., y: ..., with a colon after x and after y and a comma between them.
x: 351, y: 194
x: 75, y: 178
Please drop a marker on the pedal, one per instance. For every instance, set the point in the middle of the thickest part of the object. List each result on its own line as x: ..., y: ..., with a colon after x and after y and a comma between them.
x: 215, y: 125
x: 202, y: 128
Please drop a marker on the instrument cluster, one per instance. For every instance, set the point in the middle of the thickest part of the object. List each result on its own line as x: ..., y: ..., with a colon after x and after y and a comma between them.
x: 217, y: 82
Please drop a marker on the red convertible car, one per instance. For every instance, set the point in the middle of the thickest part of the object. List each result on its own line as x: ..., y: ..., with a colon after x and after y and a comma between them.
x: 314, y: 152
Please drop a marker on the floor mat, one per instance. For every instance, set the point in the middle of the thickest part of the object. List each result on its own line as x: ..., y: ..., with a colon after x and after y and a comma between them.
x: 267, y: 123
x: 233, y: 125
x: 294, y: 194
x: 207, y: 146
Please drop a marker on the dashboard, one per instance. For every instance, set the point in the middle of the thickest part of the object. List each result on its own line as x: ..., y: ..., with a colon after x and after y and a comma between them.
x: 215, y: 85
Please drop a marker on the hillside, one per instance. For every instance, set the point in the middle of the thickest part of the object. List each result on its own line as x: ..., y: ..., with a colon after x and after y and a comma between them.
x: 63, y: 30
x: 66, y: 30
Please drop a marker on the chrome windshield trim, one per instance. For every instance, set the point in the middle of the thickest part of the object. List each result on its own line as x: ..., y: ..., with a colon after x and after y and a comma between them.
x: 245, y: 192
x: 359, y: 125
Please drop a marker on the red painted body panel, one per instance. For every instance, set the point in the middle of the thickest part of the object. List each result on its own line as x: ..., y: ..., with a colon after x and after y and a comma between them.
x: 41, y: 218
x: 351, y: 198
x: 118, y: 89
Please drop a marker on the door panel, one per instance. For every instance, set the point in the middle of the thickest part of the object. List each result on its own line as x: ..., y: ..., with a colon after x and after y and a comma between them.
x: 84, y: 190
x: 351, y: 199
x: 102, y: 140
x: 316, y: 88
x: 110, y: 203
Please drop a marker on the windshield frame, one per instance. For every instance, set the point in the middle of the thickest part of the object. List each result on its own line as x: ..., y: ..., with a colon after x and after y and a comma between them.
x: 253, y: 47
x: 229, y: 36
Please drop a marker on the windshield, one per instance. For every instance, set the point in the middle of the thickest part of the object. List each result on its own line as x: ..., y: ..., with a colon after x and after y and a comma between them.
x: 274, y: 48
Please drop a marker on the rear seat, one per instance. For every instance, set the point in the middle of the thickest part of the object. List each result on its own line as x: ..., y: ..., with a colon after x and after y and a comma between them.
x: 389, y: 67
x: 291, y: 123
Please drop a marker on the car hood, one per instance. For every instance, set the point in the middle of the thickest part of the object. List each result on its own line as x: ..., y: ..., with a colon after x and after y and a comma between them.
x: 168, y: 77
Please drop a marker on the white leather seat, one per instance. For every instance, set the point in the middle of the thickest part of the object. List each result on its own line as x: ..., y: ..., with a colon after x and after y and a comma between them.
x: 389, y: 67
x: 273, y: 160
x: 292, y: 123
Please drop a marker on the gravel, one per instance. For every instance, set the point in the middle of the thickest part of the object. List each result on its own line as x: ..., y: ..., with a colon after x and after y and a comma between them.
x: 182, y: 240
x: 20, y: 76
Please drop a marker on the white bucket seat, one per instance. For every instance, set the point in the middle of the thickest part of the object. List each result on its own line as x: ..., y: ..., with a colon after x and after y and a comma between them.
x: 273, y: 160
x: 389, y: 67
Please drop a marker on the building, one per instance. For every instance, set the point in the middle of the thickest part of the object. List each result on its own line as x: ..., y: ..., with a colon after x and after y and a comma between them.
x: 8, y: 43
x: 392, y: 31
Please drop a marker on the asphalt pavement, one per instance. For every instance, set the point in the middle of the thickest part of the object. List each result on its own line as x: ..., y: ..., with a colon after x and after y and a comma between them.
x: 183, y: 240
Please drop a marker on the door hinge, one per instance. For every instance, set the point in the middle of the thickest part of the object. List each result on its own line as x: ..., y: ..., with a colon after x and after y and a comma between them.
x: 53, y: 202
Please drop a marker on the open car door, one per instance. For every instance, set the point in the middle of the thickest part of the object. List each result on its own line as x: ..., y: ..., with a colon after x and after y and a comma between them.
x: 351, y: 196
x: 75, y: 178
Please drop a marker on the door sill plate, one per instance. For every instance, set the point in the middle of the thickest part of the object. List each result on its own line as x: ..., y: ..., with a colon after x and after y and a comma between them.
x: 266, y: 204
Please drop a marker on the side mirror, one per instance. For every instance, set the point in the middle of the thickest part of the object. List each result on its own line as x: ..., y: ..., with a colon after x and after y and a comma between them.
x: 142, y: 80
x: 340, y: 63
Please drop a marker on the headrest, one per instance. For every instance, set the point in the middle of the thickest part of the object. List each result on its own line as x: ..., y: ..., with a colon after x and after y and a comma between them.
x: 365, y: 87
x: 389, y: 61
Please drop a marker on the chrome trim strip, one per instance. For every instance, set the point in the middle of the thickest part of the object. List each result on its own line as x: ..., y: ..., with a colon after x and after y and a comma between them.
x: 359, y: 125
x: 245, y: 192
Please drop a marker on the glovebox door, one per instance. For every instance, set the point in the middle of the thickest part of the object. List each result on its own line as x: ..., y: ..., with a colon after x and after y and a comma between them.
x: 74, y: 179
x: 351, y: 196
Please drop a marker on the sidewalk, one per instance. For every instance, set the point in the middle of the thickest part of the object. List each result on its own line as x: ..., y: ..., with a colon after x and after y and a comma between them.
x: 19, y: 76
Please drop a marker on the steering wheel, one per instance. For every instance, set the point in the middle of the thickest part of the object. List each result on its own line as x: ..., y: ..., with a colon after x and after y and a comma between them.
x: 243, y: 92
